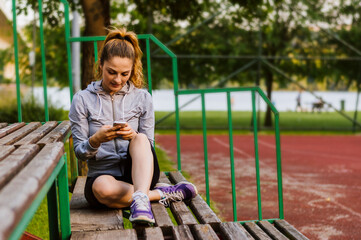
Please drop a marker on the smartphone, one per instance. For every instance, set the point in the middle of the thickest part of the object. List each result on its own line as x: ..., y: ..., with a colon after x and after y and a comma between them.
x: 121, y: 123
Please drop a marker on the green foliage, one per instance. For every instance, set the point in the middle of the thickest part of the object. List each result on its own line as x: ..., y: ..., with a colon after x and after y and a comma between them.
x: 32, y: 110
x: 56, y: 57
x: 52, y: 12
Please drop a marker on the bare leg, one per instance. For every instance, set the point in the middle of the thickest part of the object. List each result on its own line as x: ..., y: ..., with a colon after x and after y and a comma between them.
x: 118, y: 194
x: 142, y: 163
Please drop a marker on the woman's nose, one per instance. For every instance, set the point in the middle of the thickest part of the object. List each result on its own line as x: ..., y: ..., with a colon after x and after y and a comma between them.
x: 118, y: 77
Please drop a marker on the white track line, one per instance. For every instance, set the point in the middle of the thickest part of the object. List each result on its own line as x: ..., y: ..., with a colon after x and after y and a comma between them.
x: 291, y: 179
x: 264, y: 143
x: 234, y: 148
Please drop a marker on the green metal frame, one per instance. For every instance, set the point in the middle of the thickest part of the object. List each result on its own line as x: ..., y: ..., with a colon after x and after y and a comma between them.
x: 63, y: 192
x: 57, y: 180
x: 228, y: 91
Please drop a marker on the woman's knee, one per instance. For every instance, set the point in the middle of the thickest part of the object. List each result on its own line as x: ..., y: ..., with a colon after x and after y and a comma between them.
x: 104, y: 189
x: 140, y: 137
x: 140, y: 140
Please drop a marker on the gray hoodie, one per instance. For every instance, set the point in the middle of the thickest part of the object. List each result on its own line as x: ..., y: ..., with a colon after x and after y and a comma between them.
x: 92, y: 108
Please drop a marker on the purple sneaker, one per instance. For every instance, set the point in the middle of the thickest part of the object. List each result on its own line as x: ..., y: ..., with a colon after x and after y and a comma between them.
x: 179, y: 192
x: 140, y: 210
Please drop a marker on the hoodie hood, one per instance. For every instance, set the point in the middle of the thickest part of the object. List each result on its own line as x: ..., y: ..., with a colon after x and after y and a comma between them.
x: 96, y: 87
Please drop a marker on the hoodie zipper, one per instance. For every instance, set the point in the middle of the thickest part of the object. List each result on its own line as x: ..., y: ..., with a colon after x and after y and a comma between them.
x: 115, y: 142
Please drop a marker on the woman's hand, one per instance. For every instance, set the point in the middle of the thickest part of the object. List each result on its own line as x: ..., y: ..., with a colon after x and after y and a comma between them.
x: 104, y: 134
x: 126, y: 132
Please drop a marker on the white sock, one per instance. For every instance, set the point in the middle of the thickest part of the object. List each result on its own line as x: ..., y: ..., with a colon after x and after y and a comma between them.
x: 161, y: 194
x: 138, y: 194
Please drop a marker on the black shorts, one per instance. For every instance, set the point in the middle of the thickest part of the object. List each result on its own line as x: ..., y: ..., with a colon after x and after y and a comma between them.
x: 88, y: 190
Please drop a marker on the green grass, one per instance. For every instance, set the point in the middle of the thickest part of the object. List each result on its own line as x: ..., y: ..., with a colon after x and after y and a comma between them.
x: 217, y: 122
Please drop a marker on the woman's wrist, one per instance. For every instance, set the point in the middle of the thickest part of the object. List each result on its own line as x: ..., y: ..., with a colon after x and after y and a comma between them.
x: 93, y: 142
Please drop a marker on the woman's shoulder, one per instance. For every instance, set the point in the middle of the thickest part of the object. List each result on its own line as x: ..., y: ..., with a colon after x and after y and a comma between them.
x: 142, y: 92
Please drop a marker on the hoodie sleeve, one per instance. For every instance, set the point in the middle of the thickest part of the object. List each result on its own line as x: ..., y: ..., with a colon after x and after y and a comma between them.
x: 80, y: 129
x: 146, y: 120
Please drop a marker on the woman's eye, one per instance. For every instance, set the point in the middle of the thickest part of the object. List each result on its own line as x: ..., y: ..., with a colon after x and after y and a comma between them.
x: 125, y: 74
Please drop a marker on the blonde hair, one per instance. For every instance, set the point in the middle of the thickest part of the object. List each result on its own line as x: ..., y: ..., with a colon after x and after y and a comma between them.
x: 124, y: 44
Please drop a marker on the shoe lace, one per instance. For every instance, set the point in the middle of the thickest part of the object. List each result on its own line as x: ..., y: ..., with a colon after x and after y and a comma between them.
x: 169, y: 197
x: 141, y: 203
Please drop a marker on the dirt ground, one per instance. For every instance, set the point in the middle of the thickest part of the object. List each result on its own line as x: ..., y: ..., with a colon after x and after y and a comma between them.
x: 321, y: 179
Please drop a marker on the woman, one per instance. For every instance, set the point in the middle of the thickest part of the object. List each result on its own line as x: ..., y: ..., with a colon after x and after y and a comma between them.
x: 123, y: 167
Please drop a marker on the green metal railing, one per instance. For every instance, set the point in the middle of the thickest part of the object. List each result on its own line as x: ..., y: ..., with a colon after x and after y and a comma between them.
x: 202, y: 92
x: 228, y: 92
x: 58, y: 202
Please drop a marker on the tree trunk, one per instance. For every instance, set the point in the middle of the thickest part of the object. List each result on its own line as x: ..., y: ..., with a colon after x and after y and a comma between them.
x: 269, y: 83
x: 97, y: 18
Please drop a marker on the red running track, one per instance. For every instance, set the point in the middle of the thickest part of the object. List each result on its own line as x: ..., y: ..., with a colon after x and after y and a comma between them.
x: 321, y: 179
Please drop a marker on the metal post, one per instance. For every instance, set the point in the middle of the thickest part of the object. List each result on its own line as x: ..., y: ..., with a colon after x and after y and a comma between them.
x: 231, y: 155
x: 95, y: 43
x: 68, y: 48
x: 175, y: 80
x: 279, y: 167
x: 149, y: 68
x: 255, y: 136
x: 53, y: 212
x: 64, y: 201
x: 205, y: 148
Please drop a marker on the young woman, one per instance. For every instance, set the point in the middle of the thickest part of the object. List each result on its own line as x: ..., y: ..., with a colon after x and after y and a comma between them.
x: 123, y: 167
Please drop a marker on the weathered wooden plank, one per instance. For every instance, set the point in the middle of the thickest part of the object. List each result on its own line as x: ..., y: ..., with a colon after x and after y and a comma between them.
x: 130, y: 234
x: 20, y: 133
x: 182, y: 232
x: 234, y: 231
x: 14, y: 162
x: 289, y: 231
x: 2, y: 125
x: 43, y: 164
x: 92, y: 219
x: 58, y: 134
x: 78, y: 200
x: 176, y: 177
x: 182, y: 214
x: 21, y: 191
x: 11, y: 128
x: 202, y: 211
x: 5, y: 150
x: 271, y: 230
x: 161, y: 216
x: 85, y: 218
x: 199, y: 207
x: 6, y: 225
x: 154, y: 233
x: 34, y: 136
x: 163, y: 178
x: 180, y: 211
x: 204, y: 231
x: 256, y: 231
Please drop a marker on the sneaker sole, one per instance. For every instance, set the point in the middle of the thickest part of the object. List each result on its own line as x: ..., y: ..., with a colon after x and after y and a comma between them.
x: 141, y: 219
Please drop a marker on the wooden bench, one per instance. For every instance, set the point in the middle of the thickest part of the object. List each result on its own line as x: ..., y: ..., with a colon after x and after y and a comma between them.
x: 32, y: 166
x: 194, y: 220
x: 31, y: 158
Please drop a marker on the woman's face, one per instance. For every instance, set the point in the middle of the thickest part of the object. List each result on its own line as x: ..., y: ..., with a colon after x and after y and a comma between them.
x: 116, y: 73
